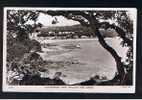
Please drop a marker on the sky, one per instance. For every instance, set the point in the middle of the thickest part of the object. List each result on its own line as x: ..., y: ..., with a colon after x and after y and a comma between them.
x: 46, y: 20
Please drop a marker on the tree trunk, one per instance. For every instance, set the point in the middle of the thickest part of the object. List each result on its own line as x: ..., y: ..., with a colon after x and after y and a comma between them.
x: 114, y: 54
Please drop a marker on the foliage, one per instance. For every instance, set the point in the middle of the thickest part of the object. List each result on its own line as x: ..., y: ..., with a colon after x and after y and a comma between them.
x: 18, y: 22
x: 18, y: 30
x: 19, y: 43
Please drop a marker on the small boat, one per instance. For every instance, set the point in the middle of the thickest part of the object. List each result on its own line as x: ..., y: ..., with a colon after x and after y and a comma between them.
x: 78, y: 46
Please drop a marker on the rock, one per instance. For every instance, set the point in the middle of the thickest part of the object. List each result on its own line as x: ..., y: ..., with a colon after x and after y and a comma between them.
x: 104, y: 78
x: 57, y: 75
x: 88, y: 82
x: 96, y: 77
x: 37, y: 80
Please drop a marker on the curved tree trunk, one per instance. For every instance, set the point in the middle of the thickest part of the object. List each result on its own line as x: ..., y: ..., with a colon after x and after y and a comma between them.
x: 114, y: 54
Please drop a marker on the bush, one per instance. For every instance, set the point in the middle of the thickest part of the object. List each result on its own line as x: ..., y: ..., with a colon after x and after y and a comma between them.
x: 31, y: 64
x: 20, y: 60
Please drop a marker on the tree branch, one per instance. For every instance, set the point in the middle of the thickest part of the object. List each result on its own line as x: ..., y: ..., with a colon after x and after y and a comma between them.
x: 120, y: 31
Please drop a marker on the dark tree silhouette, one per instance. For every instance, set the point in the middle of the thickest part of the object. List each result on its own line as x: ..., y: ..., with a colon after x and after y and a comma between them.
x: 124, y: 28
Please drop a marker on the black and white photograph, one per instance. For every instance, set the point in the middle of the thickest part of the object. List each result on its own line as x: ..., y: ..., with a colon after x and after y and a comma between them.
x: 69, y: 49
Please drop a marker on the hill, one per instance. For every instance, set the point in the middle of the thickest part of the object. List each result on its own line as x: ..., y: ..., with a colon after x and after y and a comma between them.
x: 73, y: 31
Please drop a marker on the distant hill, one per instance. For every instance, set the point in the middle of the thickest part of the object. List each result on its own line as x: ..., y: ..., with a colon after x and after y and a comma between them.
x: 77, y: 27
x: 78, y: 30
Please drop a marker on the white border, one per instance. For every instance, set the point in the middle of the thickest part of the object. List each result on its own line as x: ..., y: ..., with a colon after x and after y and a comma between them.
x: 51, y: 88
